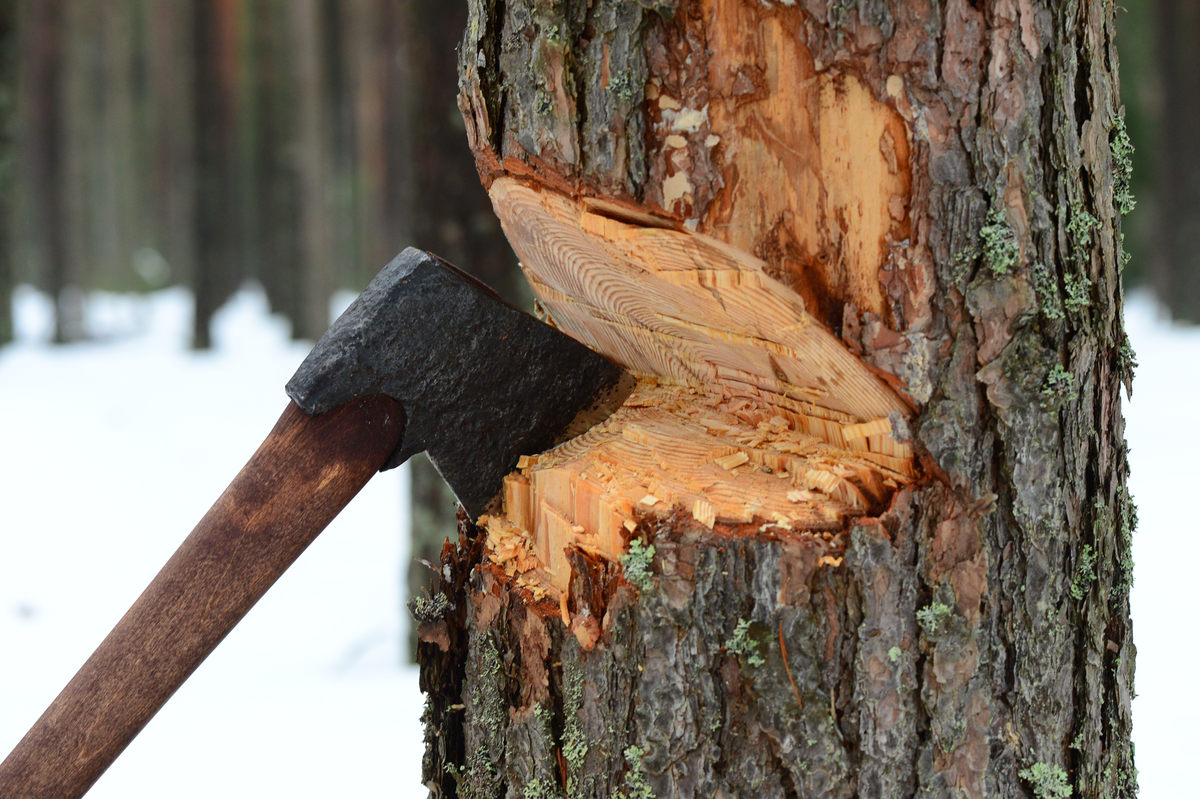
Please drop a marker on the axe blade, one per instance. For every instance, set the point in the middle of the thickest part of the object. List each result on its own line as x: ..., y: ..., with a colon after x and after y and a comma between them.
x: 481, y: 383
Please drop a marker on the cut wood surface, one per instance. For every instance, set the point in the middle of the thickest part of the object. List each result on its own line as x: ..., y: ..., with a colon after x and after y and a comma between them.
x: 726, y: 130
x: 733, y: 462
x: 684, y: 307
x: 751, y: 411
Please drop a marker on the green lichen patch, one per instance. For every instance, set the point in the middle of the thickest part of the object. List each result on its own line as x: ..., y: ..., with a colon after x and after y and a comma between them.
x: 430, y: 609
x: 1058, y: 388
x: 574, y: 741
x: 1122, y: 153
x: 541, y: 789
x: 742, y: 645
x: 998, y: 243
x: 635, y: 785
x: 1079, y: 293
x: 1126, y: 524
x: 1047, y: 291
x: 486, y: 708
x: 1079, y: 230
x: 1085, y: 572
x: 637, y: 562
x: 933, y: 616
x: 1048, y: 782
x: 1126, y: 360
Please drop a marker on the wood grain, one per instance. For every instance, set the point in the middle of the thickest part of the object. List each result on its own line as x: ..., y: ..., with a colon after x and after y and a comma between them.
x: 302, y: 475
x: 684, y: 307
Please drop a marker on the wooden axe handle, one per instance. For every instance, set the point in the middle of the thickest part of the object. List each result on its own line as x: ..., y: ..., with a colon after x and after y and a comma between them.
x: 304, y: 473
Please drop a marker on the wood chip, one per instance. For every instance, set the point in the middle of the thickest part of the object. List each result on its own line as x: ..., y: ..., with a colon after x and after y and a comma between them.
x: 704, y: 512
x: 732, y: 461
x: 875, y: 427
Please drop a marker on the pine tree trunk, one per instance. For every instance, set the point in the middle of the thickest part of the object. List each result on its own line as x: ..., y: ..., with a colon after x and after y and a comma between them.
x: 882, y: 247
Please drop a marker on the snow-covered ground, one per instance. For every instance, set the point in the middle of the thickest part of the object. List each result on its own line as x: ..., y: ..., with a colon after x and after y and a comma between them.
x: 109, y: 454
x: 110, y: 451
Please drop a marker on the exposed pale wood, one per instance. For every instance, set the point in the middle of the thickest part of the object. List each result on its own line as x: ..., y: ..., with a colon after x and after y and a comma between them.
x: 670, y: 446
x: 762, y: 147
x: 751, y: 411
x: 684, y: 307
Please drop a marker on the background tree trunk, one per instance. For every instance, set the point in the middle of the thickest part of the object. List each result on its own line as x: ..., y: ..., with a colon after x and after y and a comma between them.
x: 1174, y: 264
x: 8, y: 96
x: 943, y: 191
x: 172, y: 179
x: 313, y: 279
x: 220, y: 217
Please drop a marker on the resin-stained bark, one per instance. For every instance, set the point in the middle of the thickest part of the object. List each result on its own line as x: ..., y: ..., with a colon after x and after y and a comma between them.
x: 941, y: 187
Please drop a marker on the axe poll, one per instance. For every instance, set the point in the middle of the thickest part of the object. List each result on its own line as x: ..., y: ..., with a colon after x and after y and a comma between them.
x: 426, y: 359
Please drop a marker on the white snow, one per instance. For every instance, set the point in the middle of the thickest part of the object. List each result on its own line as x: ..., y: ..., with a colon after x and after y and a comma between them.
x: 1163, y: 444
x: 110, y: 451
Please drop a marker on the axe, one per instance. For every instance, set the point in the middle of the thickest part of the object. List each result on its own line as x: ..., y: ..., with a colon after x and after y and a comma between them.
x: 426, y: 359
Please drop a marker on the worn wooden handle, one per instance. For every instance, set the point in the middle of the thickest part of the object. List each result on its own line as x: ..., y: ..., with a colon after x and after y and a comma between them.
x: 299, y: 479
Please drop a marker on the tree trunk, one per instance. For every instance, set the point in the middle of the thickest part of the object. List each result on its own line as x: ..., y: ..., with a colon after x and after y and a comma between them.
x: 172, y: 189
x: 46, y: 165
x: 863, y: 529
x: 8, y: 181
x: 1174, y: 264
x: 314, y: 274
x: 219, y: 217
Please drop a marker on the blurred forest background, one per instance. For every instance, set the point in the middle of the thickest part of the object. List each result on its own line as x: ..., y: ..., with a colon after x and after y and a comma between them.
x: 204, y: 143
x: 302, y: 143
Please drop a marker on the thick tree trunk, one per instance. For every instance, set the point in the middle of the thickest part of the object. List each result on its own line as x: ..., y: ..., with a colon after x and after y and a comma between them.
x: 871, y: 248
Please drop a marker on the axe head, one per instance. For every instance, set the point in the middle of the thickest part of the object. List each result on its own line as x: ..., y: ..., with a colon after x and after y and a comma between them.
x: 481, y: 383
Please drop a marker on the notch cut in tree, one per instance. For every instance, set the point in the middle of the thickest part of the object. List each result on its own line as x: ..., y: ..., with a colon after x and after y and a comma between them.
x: 864, y: 258
x: 751, y: 413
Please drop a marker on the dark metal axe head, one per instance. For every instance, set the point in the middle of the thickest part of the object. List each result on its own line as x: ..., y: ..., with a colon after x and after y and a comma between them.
x: 481, y: 382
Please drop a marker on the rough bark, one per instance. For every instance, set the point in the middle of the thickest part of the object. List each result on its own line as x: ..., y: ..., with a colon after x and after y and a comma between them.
x: 974, y: 638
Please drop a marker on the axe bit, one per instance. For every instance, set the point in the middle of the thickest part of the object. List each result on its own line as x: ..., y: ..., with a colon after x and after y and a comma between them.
x: 426, y: 359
